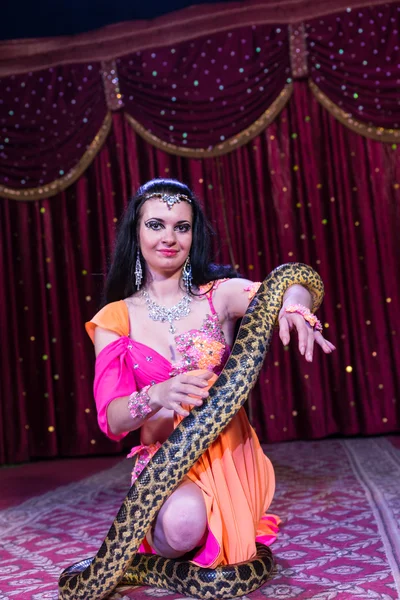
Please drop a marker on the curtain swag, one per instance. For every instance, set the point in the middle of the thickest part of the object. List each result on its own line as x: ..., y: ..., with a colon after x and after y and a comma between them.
x: 200, y: 98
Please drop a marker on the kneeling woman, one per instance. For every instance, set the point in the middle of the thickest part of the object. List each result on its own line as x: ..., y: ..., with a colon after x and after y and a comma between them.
x: 161, y: 339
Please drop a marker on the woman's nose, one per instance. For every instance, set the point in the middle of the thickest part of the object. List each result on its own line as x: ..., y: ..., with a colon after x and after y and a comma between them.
x: 169, y: 236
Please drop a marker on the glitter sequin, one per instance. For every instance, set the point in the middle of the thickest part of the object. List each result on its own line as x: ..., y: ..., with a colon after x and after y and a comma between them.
x: 144, y: 454
x: 202, y: 348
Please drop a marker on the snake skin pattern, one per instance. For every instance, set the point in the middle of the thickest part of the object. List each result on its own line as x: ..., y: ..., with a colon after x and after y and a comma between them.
x: 117, y: 560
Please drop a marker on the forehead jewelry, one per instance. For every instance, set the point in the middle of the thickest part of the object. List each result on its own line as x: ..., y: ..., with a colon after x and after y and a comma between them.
x: 169, y: 199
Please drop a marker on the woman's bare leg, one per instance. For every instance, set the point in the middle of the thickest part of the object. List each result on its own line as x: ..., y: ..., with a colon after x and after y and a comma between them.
x: 181, y: 524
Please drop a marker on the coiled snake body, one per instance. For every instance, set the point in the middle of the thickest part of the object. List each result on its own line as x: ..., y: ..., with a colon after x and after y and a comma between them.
x: 117, y: 560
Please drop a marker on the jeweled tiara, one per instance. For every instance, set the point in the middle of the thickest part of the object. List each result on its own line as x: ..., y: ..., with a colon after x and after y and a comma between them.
x: 169, y: 199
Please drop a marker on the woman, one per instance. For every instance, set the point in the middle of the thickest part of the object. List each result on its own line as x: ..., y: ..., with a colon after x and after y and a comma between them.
x: 160, y: 340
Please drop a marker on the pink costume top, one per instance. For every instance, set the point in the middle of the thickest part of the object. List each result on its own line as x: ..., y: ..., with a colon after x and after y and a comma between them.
x: 236, y: 478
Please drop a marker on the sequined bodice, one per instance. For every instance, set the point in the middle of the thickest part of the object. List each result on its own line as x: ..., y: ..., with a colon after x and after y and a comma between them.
x: 203, y: 348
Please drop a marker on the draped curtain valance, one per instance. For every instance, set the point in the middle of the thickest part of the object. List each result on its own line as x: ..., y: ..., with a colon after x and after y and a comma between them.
x: 199, y: 97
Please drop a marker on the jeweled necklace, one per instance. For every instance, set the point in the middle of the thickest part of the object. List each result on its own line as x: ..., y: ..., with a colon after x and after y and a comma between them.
x: 162, y: 313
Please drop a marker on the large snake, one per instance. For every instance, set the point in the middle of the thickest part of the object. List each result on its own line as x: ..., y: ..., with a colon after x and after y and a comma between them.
x: 117, y: 560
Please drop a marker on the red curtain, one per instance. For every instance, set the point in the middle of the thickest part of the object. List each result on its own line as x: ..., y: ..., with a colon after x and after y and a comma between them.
x: 354, y: 59
x: 198, y: 94
x: 199, y: 97
x: 49, y: 120
x: 306, y: 189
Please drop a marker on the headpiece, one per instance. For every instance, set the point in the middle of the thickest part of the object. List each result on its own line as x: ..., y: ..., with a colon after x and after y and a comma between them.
x: 169, y: 199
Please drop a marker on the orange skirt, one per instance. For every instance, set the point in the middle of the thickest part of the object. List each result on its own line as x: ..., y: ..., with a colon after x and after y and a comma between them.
x: 238, y: 483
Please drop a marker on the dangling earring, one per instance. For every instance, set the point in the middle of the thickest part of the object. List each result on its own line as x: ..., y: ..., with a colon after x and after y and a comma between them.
x: 187, y: 275
x: 138, y: 271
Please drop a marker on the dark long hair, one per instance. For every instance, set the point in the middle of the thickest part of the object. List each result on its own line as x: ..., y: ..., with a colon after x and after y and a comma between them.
x: 120, y: 281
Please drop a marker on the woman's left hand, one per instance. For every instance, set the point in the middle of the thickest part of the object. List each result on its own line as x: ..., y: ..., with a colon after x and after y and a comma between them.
x: 307, y: 336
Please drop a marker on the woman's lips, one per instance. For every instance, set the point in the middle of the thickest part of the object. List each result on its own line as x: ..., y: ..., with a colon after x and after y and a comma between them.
x: 168, y: 252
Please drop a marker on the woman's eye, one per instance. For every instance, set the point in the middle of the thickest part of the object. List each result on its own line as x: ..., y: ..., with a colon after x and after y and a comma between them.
x: 153, y: 225
x: 183, y: 228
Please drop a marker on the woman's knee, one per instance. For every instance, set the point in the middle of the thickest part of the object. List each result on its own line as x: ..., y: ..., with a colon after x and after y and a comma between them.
x: 184, y: 518
x: 184, y: 526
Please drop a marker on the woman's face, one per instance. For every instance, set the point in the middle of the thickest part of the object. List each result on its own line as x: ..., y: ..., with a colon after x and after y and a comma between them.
x: 165, y: 235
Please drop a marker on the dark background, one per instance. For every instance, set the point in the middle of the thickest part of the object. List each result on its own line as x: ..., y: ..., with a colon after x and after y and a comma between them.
x: 24, y: 19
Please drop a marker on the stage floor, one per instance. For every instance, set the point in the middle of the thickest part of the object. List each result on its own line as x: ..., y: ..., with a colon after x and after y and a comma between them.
x: 339, y: 500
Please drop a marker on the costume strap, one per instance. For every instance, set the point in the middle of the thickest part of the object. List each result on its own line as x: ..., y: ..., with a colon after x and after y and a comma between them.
x: 209, y: 292
x: 210, y: 302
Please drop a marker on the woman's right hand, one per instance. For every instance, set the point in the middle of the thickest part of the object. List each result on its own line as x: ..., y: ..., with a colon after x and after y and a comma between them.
x: 180, y: 390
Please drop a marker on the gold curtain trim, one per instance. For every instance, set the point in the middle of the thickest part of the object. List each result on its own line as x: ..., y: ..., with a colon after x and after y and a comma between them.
x: 370, y: 131
x: 58, y: 185
x: 228, y: 145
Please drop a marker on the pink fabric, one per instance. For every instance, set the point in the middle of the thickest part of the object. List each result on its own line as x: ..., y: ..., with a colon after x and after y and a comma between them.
x: 207, y: 554
x: 144, y: 454
x: 273, y: 523
x: 114, y: 378
x: 119, y: 372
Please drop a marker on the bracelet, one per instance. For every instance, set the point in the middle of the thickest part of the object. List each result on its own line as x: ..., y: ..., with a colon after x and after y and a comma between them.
x: 306, y: 314
x: 138, y: 403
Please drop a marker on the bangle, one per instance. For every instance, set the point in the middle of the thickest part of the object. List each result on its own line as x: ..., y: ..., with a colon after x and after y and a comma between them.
x: 306, y: 314
x: 138, y: 403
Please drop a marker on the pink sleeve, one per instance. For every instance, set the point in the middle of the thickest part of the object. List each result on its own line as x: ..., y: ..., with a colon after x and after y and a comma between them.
x: 114, y: 378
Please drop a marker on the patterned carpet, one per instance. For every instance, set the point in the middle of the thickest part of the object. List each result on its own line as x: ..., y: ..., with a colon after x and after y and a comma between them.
x: 340, y: 537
